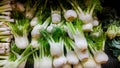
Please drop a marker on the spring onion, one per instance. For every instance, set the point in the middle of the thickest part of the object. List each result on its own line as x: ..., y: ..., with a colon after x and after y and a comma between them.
x: 86, y: 17
x: 8, y: 39
x: 101, y: 57
x: 2, y: 50
x: 87, y: 27
x: 97, y: 31
x: 56, y: 17
x: 6, y: 7
x: 34, y: 21
x: 90, y: 63
x: 82, y: 55
x: 6, y: 13
x: 97, y: 49
x: 56, y: 43
x: 20, y: 32
x: 4, y: 29
x: 46, y: 62
x: 35, y: 33
x: 13, y: 61
x: 50, y: 27
x: 59, y: 61
x: 42, y: 59
x: 111, y: 31
x: 72, y: 58
x: 70, y: 14
x: 95, y: 21
x: 70, y: 54
x: 5, y: 33
x: 78, y: 35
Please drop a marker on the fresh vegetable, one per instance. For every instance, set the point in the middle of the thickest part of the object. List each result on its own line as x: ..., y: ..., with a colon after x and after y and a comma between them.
x: 56, y: 17
x: 78, y: 35
x: 97, y: 49
x: 70, y: 14
x: 82, y: 55
x: 35, y: 34
x: 70, y: 54
x: 90, y: 63
x: 111, y: 31
x: 15, y: 59
x: 20, y: 32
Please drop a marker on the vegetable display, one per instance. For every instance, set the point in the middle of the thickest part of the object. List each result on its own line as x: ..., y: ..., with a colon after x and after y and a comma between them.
x: 56, y: 34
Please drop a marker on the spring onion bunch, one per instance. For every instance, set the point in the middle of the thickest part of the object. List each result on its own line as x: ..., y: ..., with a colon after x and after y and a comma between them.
x: 15, y: 58
x: 86, y: 16
x: 56, y: 45
x: 5, y: 9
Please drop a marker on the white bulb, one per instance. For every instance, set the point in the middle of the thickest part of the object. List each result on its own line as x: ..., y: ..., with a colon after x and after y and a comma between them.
x: 70, y: 15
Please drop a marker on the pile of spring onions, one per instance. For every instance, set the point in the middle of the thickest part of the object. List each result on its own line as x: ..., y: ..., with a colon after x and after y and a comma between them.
x: 5, y: 31
x: 55, y: 34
